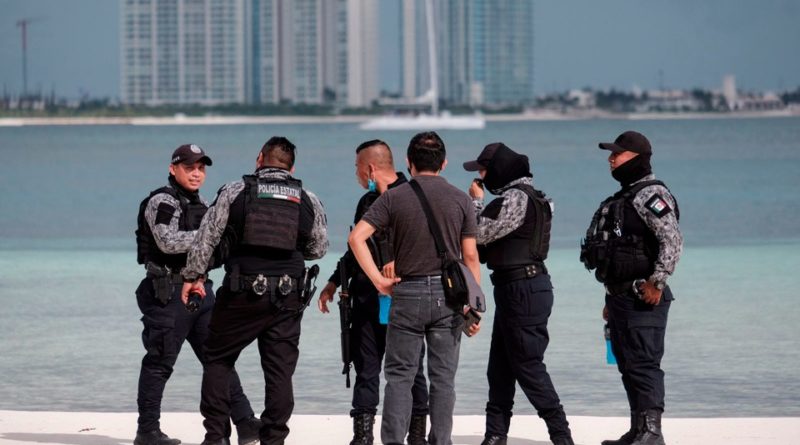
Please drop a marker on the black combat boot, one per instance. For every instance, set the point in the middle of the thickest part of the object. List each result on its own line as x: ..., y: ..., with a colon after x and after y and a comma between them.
x: 494, y: 440
x: 650, y: 429
x: 563, y: 441
x: 247, y: 431
x: 362, y: 429
x: 154, y: 437
x: 416, y: 431
x: 627, y: 438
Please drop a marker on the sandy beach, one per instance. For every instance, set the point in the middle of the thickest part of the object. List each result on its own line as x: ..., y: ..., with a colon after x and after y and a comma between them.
x: 89, y: 428
x: 537, y: 115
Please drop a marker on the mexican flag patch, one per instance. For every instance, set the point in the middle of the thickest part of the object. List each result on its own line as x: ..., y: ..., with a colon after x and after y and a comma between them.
x: 658, y: 206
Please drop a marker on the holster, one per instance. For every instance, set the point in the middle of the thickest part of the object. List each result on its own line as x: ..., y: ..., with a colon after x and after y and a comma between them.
x: 162, y: 282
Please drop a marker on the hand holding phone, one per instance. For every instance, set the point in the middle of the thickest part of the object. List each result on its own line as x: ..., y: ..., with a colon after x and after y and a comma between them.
x: 471, y: 317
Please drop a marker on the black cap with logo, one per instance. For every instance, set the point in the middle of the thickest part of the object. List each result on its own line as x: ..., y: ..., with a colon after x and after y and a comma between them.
x: 628, y: 141
x: 189, y: 154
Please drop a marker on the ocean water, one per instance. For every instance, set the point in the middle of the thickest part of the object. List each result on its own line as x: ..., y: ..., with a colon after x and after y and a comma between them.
x: 70, y: 329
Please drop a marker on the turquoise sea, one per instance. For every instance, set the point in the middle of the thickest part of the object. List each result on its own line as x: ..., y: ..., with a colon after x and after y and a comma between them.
x: 70, y: 329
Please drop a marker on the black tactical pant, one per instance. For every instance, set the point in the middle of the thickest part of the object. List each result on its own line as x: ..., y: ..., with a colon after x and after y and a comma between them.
x: 367, y: 347
x: 237, y: 320
x: 165, y: 329
x: 519, y: 339
x: 637, y: 339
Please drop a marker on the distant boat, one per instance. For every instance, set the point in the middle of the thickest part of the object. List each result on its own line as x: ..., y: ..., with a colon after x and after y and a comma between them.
x: 435, y: 120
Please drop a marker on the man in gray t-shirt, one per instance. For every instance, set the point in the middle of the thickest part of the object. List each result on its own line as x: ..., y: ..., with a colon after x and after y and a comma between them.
x: 419, y: 312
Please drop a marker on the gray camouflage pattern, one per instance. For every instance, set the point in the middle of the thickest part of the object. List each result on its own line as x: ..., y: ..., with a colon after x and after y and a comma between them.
x: 511, y: 216
x: 215, y: 220
x: 169, y: 238
x: 665, y: 228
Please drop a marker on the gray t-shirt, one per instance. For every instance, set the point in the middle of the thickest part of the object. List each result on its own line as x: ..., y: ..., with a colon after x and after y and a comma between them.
x: 399, y: 210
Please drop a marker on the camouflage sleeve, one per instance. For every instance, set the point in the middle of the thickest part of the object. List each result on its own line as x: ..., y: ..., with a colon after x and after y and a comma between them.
x: 317, y: 245
x: 510, y: 218
x: 656, y: 206
x: 163, y: 213
x: 210, y: 231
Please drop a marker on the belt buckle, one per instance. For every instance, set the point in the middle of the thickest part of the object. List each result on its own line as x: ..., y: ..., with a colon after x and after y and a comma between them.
x: 260, y: 285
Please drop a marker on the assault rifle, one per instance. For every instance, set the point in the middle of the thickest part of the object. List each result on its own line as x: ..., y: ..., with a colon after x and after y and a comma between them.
x: 345, y: 314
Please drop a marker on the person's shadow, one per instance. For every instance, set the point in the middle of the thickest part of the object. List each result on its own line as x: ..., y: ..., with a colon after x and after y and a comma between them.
x: 66, y: 439
x: 476, y: 440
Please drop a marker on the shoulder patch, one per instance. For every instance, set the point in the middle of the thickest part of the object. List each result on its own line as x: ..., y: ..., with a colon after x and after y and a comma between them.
x: 658, y: 205
x: 164, y: 213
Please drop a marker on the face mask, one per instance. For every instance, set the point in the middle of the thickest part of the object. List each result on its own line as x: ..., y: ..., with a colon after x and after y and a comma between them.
x: 372, y: 186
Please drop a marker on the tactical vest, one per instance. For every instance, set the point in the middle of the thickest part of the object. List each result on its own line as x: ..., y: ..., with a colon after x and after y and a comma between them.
x: 272, y: 213
x: 619, y: 246
x: 530, y: 242
x: 146, y: 248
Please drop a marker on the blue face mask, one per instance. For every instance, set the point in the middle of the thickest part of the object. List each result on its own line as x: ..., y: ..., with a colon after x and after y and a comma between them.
x: 372, y: 186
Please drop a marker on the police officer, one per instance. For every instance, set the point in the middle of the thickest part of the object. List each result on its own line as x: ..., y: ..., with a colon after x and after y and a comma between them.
x: 265, y: 226
x: 513, y: 241
x: 375, y: 172
x: 633, y: 244
x: 167, y: 224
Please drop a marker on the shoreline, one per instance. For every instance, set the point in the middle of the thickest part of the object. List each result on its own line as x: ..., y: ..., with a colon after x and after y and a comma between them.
x: 94, y: 428
x: 539, y: 115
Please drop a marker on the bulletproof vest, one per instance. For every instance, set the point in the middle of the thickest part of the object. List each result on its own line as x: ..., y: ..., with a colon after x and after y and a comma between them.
x: 619, y: 246
x: 530, y: 242
x: 272, y: 212
x: 192, y: 213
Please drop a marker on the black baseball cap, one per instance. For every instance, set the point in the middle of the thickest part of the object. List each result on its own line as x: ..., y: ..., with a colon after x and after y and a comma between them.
x: 628, y: 141
x: 484, y: 158
x: 189, y: 154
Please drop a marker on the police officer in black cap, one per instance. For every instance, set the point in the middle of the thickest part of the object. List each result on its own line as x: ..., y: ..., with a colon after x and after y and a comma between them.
x: 167, y: 224
x: 265, y: 226
x: 633, y: 244
x: 513, y: 240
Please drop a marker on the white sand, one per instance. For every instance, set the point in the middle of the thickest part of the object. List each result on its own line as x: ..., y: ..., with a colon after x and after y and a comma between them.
x: 79, y: 428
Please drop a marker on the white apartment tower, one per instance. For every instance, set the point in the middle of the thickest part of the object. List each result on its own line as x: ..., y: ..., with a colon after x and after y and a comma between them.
x: 250, y: 51
x: 183, y: 51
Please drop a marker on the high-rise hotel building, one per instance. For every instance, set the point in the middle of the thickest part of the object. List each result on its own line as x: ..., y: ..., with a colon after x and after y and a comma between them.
x: 249, y: 51
x: 484, y: 51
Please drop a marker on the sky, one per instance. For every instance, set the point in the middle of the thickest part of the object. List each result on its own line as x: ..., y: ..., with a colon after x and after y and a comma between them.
x: 73, y: 45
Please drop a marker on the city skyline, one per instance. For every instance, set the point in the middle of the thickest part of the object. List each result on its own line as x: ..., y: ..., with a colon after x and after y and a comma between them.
x: 619, y: 44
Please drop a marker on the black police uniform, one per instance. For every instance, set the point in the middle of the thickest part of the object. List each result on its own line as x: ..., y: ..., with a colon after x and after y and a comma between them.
x: 266, y: 225
x: 634, y: 236
x: 167, y: 322
x: 514, y: 246
x: 368, y: 335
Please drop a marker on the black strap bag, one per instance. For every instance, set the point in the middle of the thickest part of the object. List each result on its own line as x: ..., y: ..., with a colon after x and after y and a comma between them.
x: 460, y: 287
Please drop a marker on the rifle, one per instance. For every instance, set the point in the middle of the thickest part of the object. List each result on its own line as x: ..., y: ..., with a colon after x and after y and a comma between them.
x: 345, y: 308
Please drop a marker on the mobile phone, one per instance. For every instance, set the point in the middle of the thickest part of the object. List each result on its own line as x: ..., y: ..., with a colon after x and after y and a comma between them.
x: 478, y: 181
x: 471, y: 317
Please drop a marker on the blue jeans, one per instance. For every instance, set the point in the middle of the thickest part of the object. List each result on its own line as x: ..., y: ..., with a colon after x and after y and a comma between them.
x: 419, y: 314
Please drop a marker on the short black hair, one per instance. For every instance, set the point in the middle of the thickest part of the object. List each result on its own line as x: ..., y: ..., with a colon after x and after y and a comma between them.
x: 426, y: 151
x: 278, y: 151
x: 370, y: 143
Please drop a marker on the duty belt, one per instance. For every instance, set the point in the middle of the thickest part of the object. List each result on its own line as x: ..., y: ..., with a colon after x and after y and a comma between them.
x: 624, y: 288
x: 174, y: 278
x: 260, y: 284
x: 517, y: 273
